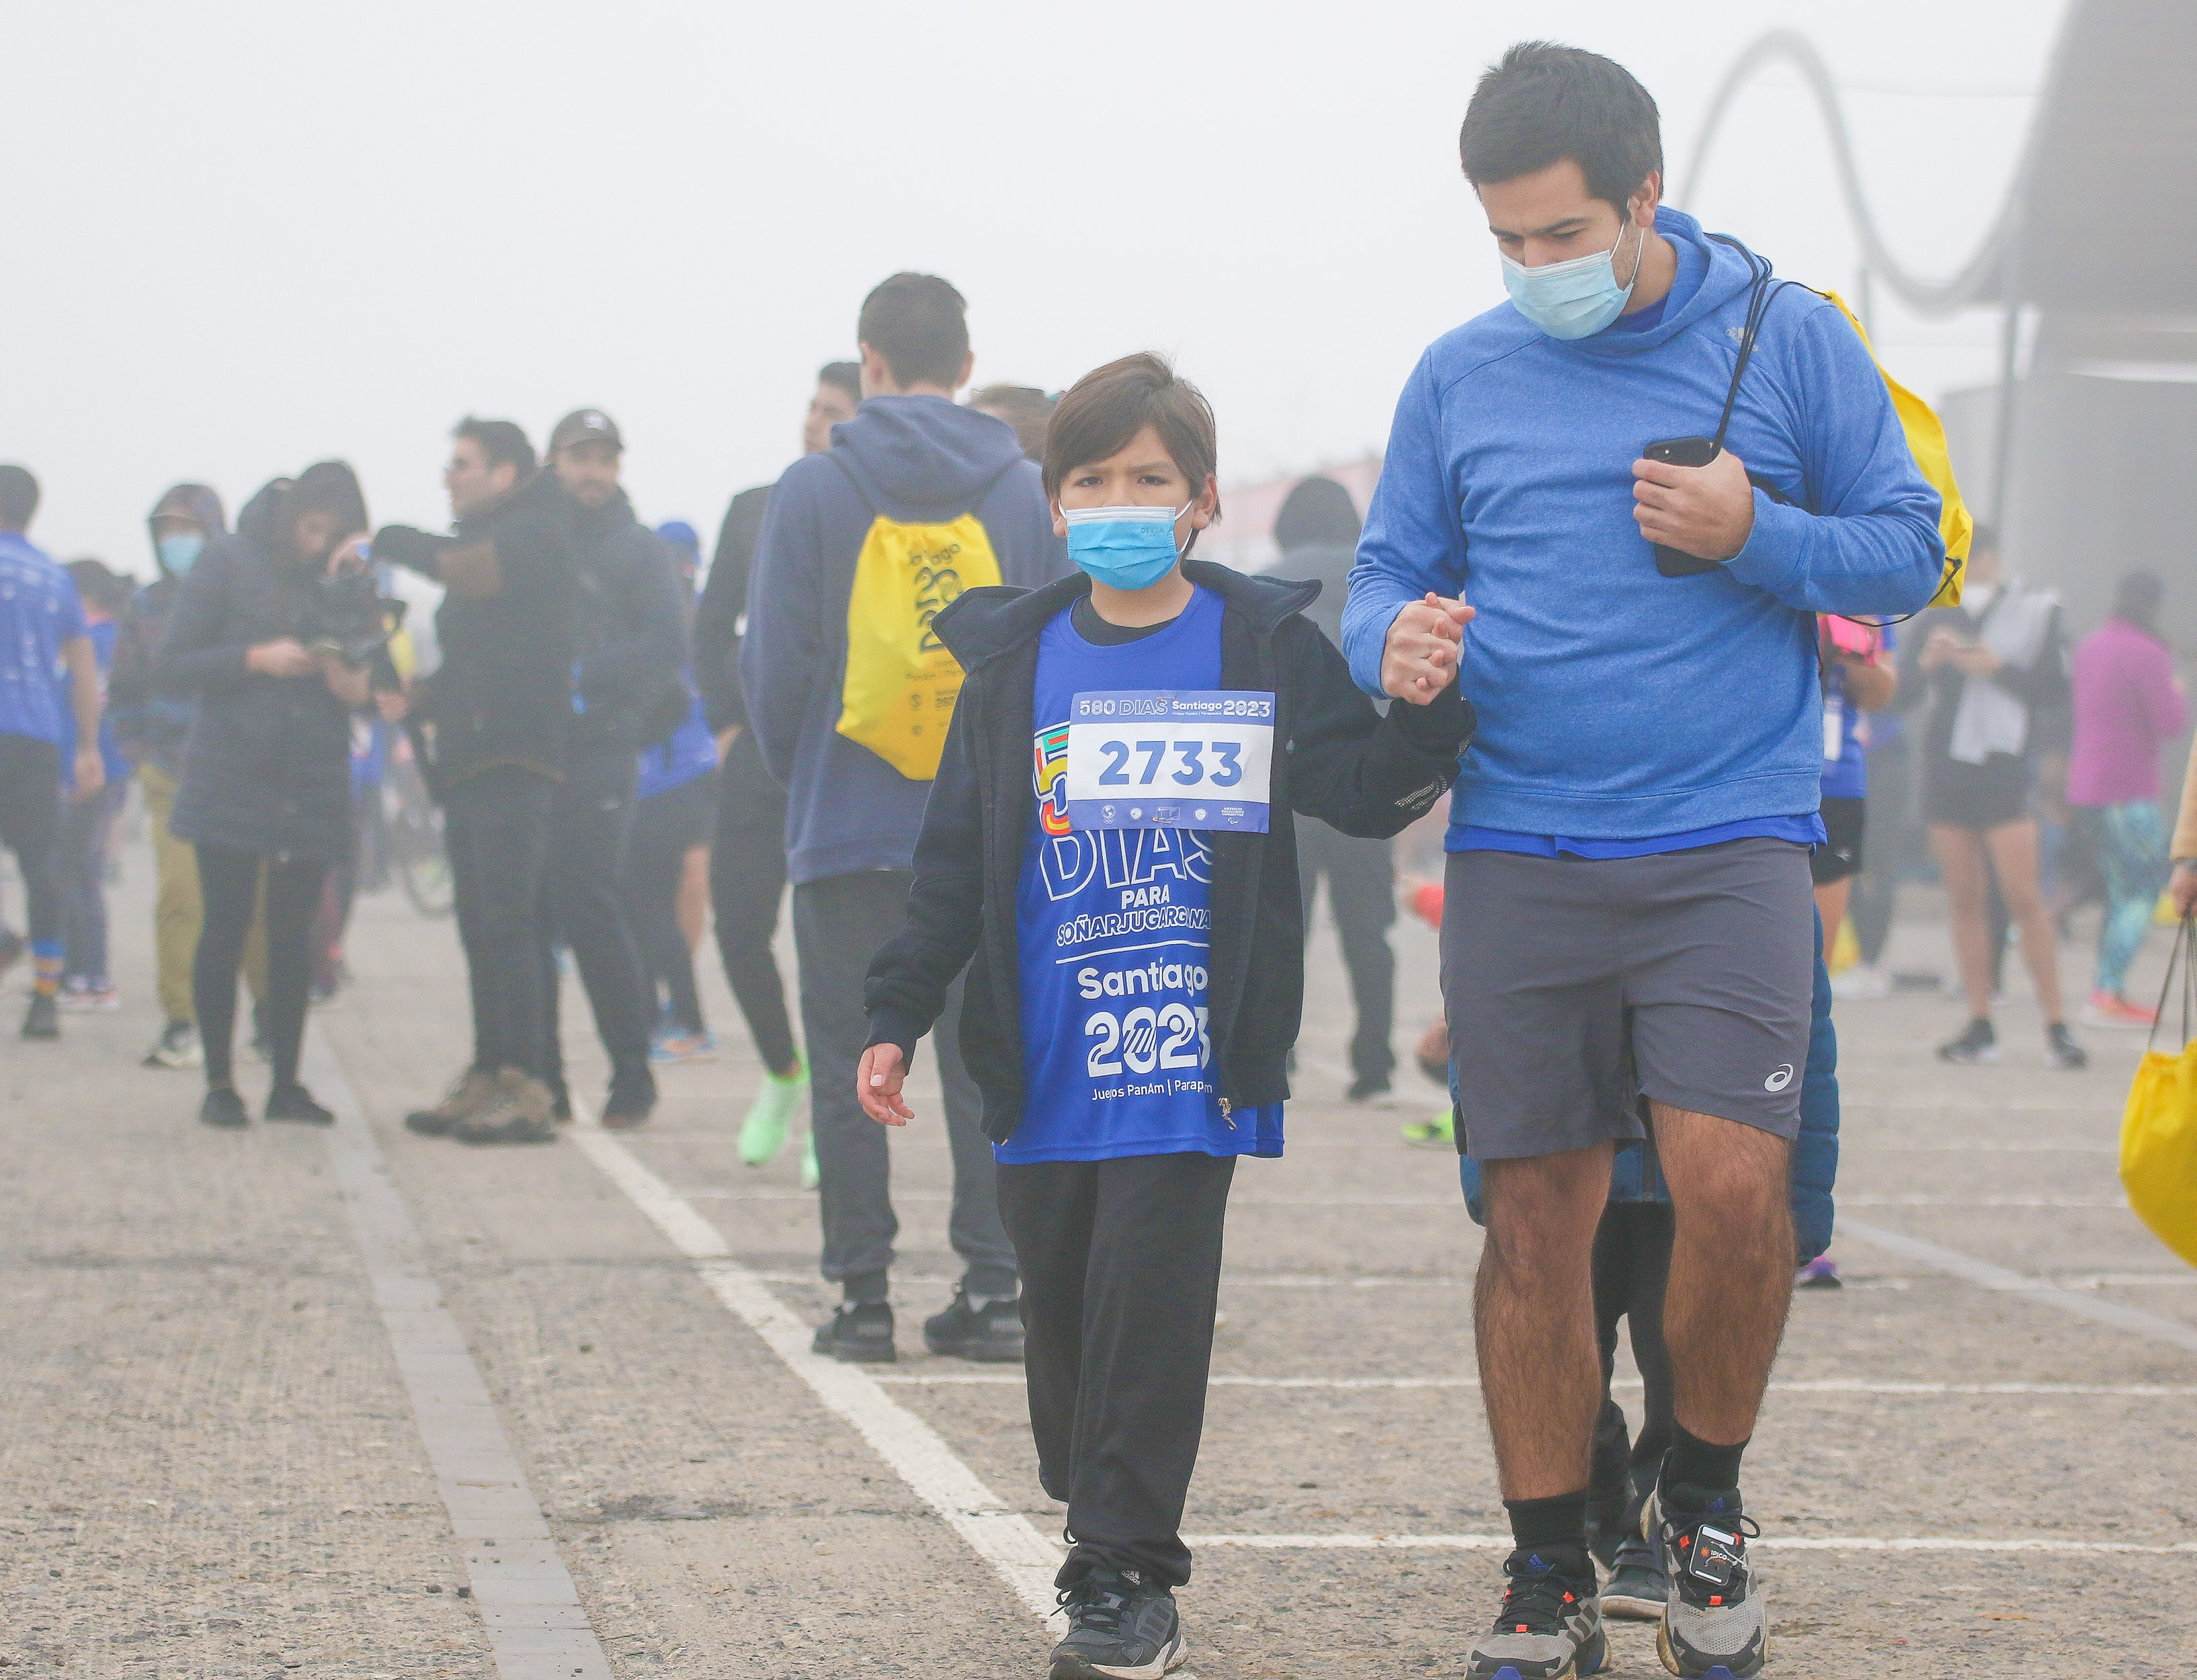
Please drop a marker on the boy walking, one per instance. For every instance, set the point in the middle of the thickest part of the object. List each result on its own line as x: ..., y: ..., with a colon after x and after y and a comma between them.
x: 1126, y: 899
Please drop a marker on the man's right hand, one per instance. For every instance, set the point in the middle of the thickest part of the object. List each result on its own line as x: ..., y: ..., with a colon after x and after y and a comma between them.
x: 285, y: 657
x: 878, y: 1081
x: 1419, y: 659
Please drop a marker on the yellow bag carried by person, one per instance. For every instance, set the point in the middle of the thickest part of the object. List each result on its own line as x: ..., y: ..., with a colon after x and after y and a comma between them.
x: 902, y: 681
x: 1926, y: 437
x: 2159, y: 1132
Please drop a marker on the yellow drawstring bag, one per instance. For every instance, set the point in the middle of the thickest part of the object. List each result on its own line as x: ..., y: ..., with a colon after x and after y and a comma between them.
x: 2159, y: 1132
x: 1926, y: 437
x: 902, y: 683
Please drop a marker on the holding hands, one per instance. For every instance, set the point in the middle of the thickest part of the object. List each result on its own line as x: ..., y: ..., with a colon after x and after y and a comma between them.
x: 1419, y: 659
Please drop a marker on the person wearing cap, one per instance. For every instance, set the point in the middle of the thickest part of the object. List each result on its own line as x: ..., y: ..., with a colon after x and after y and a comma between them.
x: 628, y: 694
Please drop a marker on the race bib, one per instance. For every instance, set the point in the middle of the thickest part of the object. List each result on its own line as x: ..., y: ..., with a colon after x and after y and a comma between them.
x: 1160, y: 759
x: 1834, y: 727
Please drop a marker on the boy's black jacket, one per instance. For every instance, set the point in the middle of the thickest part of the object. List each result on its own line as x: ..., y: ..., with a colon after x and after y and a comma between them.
x: 1340, y: 762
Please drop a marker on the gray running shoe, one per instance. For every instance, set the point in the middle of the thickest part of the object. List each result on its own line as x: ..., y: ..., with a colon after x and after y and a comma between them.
x: 1549, y: 1627
x: 519, y: 1113
x: 471, y: 1091
x: 178, y: 1046
x: 1638, y: 1587
x: 1716, y: 1626
x: 1120, y: 1626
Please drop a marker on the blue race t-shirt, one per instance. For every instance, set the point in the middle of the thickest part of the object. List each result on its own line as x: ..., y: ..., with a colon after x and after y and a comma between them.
x: 1848, y: 735
x: 686, y: 755
x: 39, y: 610
x: 1115, y: 936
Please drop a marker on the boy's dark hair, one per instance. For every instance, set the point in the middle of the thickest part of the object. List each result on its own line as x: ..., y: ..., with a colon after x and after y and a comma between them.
x: 845, y: 376
x: 98, y: 586
x: 1543, y: 103
x: 1102, y: 411
x: 18, y: 497
x: 500, y: 441
x: 1024, y: 407
x: 921, y: 325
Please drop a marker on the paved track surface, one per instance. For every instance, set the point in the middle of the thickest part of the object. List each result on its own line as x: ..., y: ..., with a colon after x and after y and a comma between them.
x: 278, y: 1402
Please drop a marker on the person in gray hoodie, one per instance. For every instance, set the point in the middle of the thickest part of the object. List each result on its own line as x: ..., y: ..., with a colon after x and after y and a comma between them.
x: 911, y: 455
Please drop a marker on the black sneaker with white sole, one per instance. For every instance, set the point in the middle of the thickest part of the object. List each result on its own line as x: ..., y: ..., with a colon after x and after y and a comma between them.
x: 1638, y: 1588
x: 1715, y: 1624
x: 859, y: 1333
x: 1120, y: 1626
x: 991, y: 1332
x: 2062, y: 1051
x: 294, y: 1102
x: 1978, y: 1042
x: 1549, y: 1627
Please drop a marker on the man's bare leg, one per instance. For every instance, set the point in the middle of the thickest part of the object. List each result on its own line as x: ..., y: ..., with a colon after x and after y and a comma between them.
x: 1540, y: 1371
x: 1731, y: 1267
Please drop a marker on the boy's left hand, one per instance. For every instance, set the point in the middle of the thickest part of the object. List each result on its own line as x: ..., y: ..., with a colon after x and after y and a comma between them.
x: 878, y: 1081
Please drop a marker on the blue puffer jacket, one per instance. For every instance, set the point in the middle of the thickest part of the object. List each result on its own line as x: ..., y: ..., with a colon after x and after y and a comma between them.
x: 1635, y: 1177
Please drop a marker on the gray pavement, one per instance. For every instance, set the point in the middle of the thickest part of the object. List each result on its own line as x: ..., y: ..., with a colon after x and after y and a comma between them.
x: 213, y: 1464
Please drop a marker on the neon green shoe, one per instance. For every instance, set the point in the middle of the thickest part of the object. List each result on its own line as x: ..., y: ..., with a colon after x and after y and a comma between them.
x: 762, y: 1133
x: 811, y: 1174
x: 1440, y: 1133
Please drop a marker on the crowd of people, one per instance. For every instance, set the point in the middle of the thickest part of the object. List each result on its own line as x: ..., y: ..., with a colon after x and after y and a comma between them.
x: 1047, y: 787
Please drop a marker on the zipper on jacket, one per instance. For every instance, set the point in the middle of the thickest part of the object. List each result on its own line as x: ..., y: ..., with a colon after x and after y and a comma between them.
x: 1225, y: 1112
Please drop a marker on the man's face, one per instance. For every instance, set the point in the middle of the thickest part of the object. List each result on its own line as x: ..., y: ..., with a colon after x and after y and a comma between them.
x: 175, y: 525
x: 589, y: 470
x: 476, y: 487
x: 314, y: 538
x: 1548, y: 217
x: 827, y: 409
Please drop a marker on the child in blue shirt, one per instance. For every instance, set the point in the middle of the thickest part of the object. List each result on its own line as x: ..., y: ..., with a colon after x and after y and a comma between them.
x: 1123, y: 893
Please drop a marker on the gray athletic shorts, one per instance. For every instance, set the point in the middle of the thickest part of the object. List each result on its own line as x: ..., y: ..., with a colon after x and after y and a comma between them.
x: 1580, y: 989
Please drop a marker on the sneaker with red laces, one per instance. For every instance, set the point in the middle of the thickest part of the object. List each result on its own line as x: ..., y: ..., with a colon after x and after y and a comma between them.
x: 2110, y: 1009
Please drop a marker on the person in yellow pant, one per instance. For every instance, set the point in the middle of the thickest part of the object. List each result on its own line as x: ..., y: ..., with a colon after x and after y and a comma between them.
x: 152, y: 726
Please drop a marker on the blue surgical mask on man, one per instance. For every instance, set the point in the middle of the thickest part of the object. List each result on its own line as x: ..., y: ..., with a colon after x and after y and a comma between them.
x: 1123, y: 547
x: 180, y: 550
x: 1578, y: 299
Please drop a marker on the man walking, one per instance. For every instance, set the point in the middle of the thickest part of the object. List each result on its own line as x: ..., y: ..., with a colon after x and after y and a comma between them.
x: 916, y: 499
x: 747, y: 847
x: 496, y: 716
x: 632, y: 642
x: 1627, y: 934
x: 42, y: 630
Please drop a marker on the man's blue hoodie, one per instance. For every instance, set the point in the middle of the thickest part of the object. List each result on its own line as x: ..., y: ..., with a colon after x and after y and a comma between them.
x: 1615, y: 702
x: 921, y: 459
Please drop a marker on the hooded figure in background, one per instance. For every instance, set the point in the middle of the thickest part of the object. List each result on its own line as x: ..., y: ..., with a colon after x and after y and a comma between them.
x: 257, y: 633
x: 1317, y: 531
x: 153, y: 724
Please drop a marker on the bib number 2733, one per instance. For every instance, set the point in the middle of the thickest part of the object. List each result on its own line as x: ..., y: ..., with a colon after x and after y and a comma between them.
x: 1156, y: 759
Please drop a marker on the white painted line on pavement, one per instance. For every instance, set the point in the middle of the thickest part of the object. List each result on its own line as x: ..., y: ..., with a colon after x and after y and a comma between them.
x: 1984, y: 1275
x: 1003, y: 1536
x: 537, y: 1628
x: 1773, y: 1543
x: 1826, y: 1386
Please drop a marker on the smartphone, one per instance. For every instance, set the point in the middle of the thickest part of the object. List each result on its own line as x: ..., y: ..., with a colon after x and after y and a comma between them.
x: 1681, y: 452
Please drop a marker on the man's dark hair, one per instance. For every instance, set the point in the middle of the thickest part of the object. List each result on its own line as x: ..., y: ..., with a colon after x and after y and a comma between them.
x: 921, y: 325
x: 845, y: 376
x: 1024, y: 407
x: 2136, y: 600
x: 500, y: 441
x: 1543, y: 103
x: 1102, y: 411
x: 1318, y: 512
x: 18, y: 497
x: 98, y: 586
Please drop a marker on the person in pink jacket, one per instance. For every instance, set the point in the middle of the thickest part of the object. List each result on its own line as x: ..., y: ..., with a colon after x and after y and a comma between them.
x: 2128, y: 703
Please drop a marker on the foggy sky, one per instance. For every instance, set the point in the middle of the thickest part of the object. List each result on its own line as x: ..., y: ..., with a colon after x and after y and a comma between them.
x: 245, y: 237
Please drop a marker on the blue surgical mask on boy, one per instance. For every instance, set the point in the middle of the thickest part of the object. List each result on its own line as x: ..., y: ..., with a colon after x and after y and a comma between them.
x: 179, y: 550
x: 1574, y: 300
x: 1123, y: 547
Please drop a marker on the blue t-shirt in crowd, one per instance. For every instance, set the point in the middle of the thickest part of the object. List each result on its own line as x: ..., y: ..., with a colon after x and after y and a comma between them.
x: 39, y: 610
x: 1114, y: 937
x: 688, y: 753
x: 1845, y: 772
x: 110, y: 745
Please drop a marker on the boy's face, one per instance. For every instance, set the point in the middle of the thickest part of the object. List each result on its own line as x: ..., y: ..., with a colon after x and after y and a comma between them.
x: 1139, y: 474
